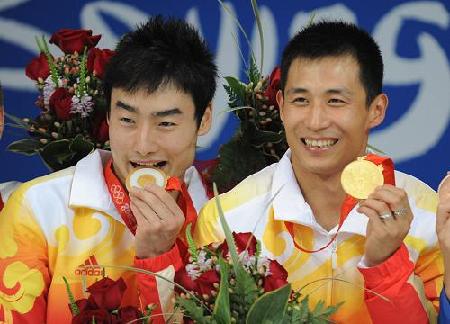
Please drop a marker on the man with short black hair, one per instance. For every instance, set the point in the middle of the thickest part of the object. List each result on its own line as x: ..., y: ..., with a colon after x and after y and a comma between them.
x: 159, y: 86
x: 332, y: 245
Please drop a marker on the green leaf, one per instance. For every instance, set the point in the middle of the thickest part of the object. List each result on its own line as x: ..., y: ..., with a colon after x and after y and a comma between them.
x: 25, y: 146
x: 237, y: 152
x: 73, y: 305
x: 253, y: 73
x: 236, y: 91
x: 270, y: 307
x: 57, y: 154
x: 192, y: 310
x: 222, y: 306
x: 260, y: 31
x: 263, y: 137
x: 80, y: 146
x: 191, y: 244
x: 246, y: 287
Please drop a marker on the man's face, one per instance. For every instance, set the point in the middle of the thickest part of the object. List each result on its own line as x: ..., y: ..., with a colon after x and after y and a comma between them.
x: 157, y: 129
x: 325, y: 115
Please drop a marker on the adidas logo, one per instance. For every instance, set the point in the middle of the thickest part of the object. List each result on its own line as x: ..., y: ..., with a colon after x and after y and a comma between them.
x: 89, y: 268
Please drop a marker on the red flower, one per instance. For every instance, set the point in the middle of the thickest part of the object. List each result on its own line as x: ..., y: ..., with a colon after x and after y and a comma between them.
x: 202, y: 285
x: 84, y: 305
x: 128, y: 314
x: 97, y: 60
x: 205, y: 283
x: 182, y: 278
x: 107, y: 293
x: 74, y: 40
x: 100, y: 316
x: 244, y: 241
x: 61, y: 102
x: 273, y: 87
x: 38, y: 68
x: 277, y: 278
x: 101, y: 131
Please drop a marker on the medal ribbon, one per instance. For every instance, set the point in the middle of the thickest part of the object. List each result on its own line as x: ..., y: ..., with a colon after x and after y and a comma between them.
x: 349, y: 201
x: 121, y: 199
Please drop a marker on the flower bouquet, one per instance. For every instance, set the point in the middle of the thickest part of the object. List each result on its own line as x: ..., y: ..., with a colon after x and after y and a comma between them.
x: 233, y: 283
x: 259, y: 140
x: 72, y: 109
x: 104, y: 304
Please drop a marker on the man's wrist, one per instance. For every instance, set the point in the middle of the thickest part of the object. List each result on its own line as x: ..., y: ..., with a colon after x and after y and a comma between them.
x: 153, y: 253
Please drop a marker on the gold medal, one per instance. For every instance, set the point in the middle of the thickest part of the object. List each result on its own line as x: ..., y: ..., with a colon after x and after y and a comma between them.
x: 141, y: 177
x: 360, y: 178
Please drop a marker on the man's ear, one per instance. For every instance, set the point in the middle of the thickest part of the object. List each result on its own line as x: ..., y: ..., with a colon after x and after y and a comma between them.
x: 280, y: 102
x: 377, y: 110
x: 108, y: 115
x: 205, y: 123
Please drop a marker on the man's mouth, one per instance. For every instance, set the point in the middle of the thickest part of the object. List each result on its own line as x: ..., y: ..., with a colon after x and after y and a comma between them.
x: 148, y: 164
x: 319, y: 143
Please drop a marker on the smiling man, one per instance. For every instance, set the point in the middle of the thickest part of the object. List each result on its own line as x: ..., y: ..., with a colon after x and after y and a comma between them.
x: 330, y: 98
x: 158, y: 87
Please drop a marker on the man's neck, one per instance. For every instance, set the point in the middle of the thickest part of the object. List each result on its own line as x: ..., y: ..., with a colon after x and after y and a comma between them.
x: 325, y: 196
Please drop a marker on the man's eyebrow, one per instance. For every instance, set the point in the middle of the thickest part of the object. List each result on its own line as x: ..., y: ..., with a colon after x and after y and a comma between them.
x: 297, y: 90
x: 125, y: 106
x: 169, y: 112
x: 343, y: 91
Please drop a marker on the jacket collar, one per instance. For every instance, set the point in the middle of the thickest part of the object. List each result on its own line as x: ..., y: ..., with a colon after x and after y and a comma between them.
x: 89, y: 189
x: 289, y: 203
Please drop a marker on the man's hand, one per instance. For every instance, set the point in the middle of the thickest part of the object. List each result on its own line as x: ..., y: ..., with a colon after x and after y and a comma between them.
x: 159, y: 220
x: 443, y: 227
x: 390, y: 217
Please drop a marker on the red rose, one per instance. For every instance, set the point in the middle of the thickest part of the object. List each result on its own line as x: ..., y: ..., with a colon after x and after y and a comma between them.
x: 205, y: 283
x: 74, y: 40
x: 101, y: 131
x: 277, y: 278
x: 60, y: 102
x: 97, y: 316
x: 273, y: 86
x: 84, y: 305
x: 38, y: 68
x: 244, y: 241
x: 182, y: 278
x: 97, y: 60
x: 129, y: 313
x: 107, y: 293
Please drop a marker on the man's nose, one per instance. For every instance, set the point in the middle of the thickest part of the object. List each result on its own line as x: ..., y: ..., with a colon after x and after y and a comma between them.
x: 317, y: 118
x: 146, y: 141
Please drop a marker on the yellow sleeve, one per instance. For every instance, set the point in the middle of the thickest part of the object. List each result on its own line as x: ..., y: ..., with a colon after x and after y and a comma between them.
x: 24, y: 275
x: 207, y: 229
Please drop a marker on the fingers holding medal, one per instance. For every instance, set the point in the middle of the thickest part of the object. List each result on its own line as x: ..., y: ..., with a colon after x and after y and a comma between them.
x: 363, y: 180
x: 385, y: 205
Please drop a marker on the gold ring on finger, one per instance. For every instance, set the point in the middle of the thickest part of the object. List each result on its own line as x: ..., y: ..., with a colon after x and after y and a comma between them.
x: 400, y: 212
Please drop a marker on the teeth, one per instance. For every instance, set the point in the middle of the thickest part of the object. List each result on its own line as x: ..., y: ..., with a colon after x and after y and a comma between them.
x: 154, y: 165
x: 319, y: 143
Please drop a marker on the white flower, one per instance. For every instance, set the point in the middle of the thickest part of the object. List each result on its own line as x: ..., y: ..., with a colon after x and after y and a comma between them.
x: 82, y: 105
x: 193, y: 271
x: 202, y: 261
x: 49, y: 88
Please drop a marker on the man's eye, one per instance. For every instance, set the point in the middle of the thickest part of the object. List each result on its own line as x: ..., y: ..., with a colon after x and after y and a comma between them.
x: 300, y: 100
x: 336, y: 101
x: 166, y: 124
x: 126, y: 120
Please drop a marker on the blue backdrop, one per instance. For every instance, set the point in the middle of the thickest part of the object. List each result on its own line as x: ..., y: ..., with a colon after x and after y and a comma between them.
x: 414, y: 37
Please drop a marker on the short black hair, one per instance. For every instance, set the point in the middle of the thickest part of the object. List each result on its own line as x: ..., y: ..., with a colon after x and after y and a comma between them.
x: 337, y: 38
x: 159, y: 53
